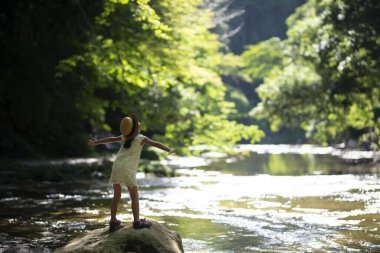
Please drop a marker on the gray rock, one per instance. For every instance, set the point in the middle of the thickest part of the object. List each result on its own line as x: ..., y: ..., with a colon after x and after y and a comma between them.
x: 156, y: 239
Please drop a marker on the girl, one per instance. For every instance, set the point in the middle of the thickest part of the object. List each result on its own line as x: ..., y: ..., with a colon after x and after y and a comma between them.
x: 125, y: 166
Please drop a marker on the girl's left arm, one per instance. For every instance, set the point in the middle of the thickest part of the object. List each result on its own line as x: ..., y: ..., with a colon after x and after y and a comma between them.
x: 156, y: 144
x: 93, y: 141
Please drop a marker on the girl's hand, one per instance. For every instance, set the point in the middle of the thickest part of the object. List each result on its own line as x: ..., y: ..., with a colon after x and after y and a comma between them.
x: 171, y: 151
x: 92, y: 142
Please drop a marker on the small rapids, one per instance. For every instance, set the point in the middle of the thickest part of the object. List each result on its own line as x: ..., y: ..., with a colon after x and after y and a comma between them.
x: 264, y: 202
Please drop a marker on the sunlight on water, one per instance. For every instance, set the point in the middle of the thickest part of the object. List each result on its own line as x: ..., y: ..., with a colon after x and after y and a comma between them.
x: 304, y: 211
x: 280, y: 213
x: 278, y: 199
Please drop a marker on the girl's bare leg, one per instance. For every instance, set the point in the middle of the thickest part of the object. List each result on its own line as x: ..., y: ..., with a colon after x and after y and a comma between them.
x: 115, y: 201
x: 133, y: 192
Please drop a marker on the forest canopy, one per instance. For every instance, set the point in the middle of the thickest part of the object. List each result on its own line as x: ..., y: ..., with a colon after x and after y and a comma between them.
x: 324, y: 77
x: 76, y: 67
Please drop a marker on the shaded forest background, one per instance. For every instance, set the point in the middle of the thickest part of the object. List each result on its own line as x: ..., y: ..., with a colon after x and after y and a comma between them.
x: 196, y: 72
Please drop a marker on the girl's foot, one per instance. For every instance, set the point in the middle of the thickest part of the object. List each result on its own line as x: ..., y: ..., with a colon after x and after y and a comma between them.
x: 114, y: 224
x: 142, y: 223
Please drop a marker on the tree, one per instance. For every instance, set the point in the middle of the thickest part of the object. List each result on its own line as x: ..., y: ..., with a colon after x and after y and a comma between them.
x: 160, y: 60
x: 75, y: 66
x: 328, y: 81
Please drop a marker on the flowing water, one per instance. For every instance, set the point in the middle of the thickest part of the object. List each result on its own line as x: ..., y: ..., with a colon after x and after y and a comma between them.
x: 292, y: 202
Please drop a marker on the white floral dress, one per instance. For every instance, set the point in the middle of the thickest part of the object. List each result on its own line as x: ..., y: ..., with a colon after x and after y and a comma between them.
x: 127, y: 162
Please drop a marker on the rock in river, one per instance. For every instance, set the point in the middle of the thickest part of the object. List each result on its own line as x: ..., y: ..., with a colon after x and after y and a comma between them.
x: 126, y: 239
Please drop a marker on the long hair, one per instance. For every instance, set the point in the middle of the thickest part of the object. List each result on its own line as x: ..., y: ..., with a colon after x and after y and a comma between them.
x: 128, y: 142
x: 129, y: 138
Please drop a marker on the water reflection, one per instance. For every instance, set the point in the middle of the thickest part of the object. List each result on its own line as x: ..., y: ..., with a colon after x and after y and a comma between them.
x: 287, y: 164
x: 260, y: 203
x: 278, y: 213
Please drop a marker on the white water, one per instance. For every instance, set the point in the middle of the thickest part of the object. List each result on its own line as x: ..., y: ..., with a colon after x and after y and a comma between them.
x: 275, y: 213
x: 279, y: 199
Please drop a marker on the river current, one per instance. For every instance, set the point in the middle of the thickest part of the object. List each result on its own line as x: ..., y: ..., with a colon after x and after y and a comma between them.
x: 263, y: 202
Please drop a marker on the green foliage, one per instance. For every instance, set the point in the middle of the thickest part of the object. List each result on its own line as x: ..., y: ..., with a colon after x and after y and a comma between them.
x: 262, y: 58
x: 104, y: 59
x: 236, y: 96
x: 244, y: 22
x: 326, y: 76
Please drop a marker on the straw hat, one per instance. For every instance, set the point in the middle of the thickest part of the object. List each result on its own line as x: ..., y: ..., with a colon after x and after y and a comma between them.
x: 128, y: 125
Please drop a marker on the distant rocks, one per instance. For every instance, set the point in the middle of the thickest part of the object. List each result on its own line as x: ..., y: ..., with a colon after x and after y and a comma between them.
x: 156, y: 239
x: 354, y: 156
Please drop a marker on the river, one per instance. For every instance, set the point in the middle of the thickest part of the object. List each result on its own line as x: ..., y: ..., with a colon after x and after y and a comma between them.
x: 262, y: 202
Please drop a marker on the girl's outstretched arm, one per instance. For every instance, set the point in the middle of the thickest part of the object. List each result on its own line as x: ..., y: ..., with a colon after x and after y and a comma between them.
x: 156, y: 144
x: 93, y: 141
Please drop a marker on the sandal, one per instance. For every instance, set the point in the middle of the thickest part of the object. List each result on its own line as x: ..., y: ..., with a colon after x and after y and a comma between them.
x: 114, y: 224
x: 142, y: 223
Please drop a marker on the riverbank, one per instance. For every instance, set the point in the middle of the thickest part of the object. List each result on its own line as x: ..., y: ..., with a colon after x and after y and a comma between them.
x: 351, y: 156
x: 348, y: 155
x: 356, y: 162
x: 71, y: 170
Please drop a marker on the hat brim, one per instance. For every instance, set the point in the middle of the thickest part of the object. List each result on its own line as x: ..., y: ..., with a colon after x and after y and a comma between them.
x: 135, y: 128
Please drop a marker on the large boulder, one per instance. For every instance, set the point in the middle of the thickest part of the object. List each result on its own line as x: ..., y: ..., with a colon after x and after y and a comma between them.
x: 156, y: 239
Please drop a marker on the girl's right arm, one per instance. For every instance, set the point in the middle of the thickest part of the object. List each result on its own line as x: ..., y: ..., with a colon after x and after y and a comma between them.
x: 93, y: 141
